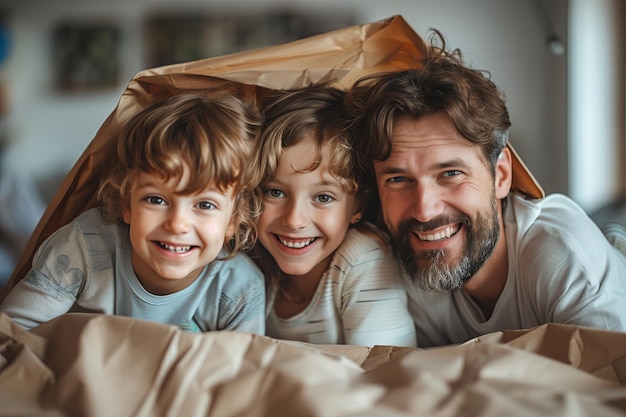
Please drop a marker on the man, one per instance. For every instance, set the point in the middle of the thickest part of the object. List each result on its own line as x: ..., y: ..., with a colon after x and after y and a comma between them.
x: 482, y: 249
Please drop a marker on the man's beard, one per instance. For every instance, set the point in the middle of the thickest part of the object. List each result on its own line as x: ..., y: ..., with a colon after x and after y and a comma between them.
x: 440, y: 275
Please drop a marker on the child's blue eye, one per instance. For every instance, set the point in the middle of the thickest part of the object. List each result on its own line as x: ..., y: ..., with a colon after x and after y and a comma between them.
x: 155, y: 200
x: 207, y: 205
x: 324, y: 198
x: 274, y: 193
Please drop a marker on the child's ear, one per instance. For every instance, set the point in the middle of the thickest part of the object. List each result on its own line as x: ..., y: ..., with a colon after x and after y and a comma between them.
x: 126, y: 213
x: 232, y: 227
x: 504, y: 174
x: 357, y: 212
x: 356, y: 217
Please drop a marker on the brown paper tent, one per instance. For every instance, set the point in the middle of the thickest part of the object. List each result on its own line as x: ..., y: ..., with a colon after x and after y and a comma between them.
x: 337, y: 58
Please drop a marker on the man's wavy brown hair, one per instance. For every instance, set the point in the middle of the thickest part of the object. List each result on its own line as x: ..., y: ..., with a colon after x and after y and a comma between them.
x: 438, y: 82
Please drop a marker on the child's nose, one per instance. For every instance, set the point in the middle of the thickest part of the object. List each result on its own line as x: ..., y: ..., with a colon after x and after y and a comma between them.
x: 178, y: 220
x: 296, y: 215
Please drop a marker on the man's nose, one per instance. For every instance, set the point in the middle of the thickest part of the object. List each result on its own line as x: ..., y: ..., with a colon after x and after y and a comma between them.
x: 427, y: 202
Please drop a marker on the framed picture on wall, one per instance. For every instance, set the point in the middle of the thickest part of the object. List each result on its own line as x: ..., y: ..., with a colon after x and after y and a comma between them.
x: 184, y: 36
x: 85, y: 57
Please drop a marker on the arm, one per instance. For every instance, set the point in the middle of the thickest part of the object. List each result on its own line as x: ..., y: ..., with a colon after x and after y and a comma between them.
x: 52, y: 285
x: 373, y: 302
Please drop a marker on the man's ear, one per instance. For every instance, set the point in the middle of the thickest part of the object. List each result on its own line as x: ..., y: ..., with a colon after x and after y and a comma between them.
x: 504, y: 174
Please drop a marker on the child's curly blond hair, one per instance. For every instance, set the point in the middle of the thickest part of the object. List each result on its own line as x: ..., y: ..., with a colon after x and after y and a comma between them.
x: 211, y: 135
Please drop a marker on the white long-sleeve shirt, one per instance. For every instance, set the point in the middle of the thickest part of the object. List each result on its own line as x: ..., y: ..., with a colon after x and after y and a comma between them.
x: 359, y: 300
x: 562, y: 269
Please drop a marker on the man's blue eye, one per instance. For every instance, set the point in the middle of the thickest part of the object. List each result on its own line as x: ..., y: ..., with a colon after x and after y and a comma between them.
x: 396, y: 179
x: 452, y: 173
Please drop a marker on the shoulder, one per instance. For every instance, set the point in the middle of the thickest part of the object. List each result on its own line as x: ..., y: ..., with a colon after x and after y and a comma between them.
x: 238, y: 271
x: 238, y: 287
x: 240, y: 262
x: 364, y: 245
x: 89, y: 218
x: 86, y: 244
x: 90, y: 223
x: 554, y: 209
x: 555, y: 219
x: 365, y: 261
x: 73, y: 233
x: 554, y: 237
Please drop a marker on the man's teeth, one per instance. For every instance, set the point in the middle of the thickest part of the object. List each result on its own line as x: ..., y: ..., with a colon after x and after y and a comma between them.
x: 444, y: 234
x: 175, y: 248
x: 296, y: 245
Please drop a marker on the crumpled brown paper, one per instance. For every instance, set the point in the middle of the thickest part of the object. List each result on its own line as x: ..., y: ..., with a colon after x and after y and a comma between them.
x: 99, y: 365
x: 337, y: 58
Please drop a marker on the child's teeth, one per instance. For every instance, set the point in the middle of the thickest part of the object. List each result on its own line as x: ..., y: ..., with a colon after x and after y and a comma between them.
x: 175, y: 248
x: 296, y: 245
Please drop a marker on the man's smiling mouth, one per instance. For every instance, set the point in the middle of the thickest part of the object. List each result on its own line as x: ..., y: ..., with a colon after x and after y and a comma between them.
x: 440, y: 235
x: 296, y: 244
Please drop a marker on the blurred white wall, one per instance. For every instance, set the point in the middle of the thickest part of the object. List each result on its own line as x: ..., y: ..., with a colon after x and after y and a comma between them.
x: 596, y: 105
x: 506, y: 37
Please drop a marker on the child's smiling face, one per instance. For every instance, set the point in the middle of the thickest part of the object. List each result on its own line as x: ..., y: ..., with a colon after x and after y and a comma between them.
x: 306, y: 213
x: 173, y: 235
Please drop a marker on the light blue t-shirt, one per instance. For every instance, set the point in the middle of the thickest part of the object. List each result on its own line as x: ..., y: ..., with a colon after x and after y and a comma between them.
x: 86, y: 266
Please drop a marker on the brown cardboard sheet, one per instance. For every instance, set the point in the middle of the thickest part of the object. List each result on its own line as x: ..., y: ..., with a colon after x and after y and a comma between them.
x: 336, y: 58
x: 98, y: 365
